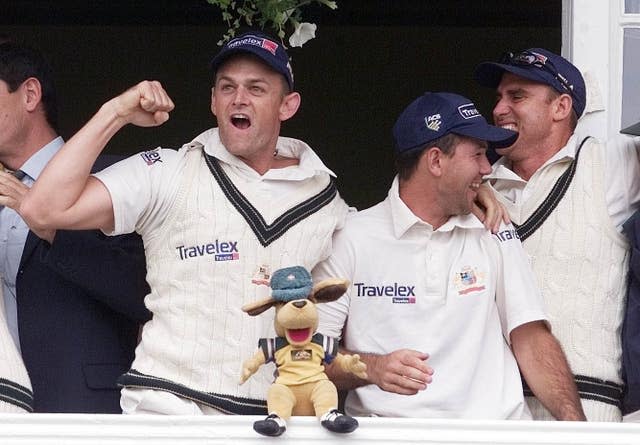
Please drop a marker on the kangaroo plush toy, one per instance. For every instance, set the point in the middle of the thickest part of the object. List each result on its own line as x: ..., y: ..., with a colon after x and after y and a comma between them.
x: 301, y: 387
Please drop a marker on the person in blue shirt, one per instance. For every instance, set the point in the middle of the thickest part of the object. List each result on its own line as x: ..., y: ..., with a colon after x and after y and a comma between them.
x: 73, y: 299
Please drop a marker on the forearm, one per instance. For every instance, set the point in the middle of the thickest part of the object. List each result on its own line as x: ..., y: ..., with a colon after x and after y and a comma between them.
x: 64, y: 196
x: 546, y: 371
x: 65, y: 177
x: 403, y: 371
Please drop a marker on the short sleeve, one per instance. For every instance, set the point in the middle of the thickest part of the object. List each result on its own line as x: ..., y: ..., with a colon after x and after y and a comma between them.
x: 340, y: 264
x: 142, y: 187
x: 518, y: 297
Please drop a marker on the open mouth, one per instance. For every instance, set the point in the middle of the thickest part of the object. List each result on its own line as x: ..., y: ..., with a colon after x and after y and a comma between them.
x: 298, y: 335
x: 240, y: 121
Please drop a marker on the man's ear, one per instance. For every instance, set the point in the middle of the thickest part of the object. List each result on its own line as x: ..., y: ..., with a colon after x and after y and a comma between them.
x: 431, y: 159
x: 562, y: 107
x: 329, y: 290
x: 213, y: 100
x: 289, y: 106
x: 32, y: 93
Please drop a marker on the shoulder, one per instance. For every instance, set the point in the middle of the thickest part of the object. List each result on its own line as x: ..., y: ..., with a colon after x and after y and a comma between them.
x: 507, y: 234
x: 377, y: 214
x: 356, y: 222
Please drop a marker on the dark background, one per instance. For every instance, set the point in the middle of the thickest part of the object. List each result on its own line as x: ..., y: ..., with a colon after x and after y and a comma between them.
x: 369, y: 59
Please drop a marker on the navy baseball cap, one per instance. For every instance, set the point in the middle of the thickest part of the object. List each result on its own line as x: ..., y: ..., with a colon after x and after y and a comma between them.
x: 434, y: 115
x: 261, y: 45
x: 539, y: 65
x: 632, y: 129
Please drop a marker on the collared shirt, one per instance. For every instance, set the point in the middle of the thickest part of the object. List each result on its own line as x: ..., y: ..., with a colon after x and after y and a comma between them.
x: 13, y: 234
x: 455, y: 293
x: 148, y: 182
x: 621, y: 176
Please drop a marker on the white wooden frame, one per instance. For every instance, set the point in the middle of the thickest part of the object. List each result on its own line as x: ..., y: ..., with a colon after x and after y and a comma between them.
x: 592, y: 38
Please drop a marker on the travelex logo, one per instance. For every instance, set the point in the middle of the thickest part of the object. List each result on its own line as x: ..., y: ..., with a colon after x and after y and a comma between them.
x: 220, y: 250
x: 468, y: 111
x: 399, y: 293
x: 507, y: 235
x: 269, y: 45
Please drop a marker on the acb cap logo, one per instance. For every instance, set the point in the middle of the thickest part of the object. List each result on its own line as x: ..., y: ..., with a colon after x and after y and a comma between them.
x: 433, y: 122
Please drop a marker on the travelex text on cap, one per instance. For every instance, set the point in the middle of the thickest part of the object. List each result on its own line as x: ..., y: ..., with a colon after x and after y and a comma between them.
x: 434, y: 115
x: 260, y: 45
x: 539, y: 65
x: 291, y: 283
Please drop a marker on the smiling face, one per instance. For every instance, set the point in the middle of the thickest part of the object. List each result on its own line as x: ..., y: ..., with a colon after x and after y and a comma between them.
x: 527, y: 107
x: 250, y: 101
x: 296, y: 320
x: 462, y: 174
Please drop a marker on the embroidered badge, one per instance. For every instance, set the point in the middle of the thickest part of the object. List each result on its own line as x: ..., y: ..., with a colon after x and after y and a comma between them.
x: 262, y: 275
x: 301, y: 355
x: 152, y: 156
x: 433, y: 122
x: 469, y: 280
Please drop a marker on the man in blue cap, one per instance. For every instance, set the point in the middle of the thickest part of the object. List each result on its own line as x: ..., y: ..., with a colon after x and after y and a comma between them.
x: 568, y: 195
x: 436, y: 300
x: 217, y: 217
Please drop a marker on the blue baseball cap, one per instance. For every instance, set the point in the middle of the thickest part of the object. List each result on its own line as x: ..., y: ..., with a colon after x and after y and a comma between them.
x: 291, y: 283
x: 261, y: 45
x: 434, y: 115
x: 539, y: 65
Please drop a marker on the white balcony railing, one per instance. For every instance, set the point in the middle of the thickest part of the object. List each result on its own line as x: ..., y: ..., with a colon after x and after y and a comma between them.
x: 72, y: 429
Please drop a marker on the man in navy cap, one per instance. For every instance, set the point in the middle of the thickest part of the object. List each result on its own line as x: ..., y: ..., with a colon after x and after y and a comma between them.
x: 568, y: 196
x: 217, y: 217
x: 436, y: 300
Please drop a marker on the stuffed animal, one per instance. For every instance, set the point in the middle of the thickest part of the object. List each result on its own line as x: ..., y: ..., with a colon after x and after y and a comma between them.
x: 301, y: 387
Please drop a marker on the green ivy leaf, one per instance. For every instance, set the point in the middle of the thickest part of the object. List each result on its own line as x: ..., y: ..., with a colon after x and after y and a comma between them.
x: 275, y: 14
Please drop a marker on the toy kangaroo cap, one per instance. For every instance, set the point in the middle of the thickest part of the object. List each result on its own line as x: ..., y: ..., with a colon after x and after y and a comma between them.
x: 291, y: 283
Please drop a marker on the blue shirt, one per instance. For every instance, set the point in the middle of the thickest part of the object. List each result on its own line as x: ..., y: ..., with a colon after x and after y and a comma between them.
x: 13, y: 234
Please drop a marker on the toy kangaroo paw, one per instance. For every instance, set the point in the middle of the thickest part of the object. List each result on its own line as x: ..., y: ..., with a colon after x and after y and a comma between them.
x: 337, y: 422
x: 273, y: 425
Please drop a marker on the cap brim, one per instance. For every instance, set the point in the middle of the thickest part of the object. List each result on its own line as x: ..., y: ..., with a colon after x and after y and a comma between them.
x: 632, y: 130
x: 496, y: 137
x: 489, y: 74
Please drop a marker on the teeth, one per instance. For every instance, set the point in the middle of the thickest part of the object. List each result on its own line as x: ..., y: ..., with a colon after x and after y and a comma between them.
x: 509, y: 127
x: 475, y: 185
x: 239, y: 116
